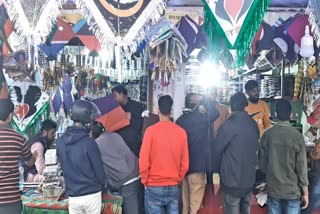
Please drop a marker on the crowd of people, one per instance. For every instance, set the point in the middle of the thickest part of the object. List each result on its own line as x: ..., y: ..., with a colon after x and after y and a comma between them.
x: 150, y: 171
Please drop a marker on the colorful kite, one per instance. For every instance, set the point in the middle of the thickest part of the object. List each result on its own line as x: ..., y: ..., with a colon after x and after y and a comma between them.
x: 121, y: 22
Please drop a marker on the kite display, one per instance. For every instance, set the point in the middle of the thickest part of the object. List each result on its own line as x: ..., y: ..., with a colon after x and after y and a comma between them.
x: 314, y: 19
x: 122, y: 22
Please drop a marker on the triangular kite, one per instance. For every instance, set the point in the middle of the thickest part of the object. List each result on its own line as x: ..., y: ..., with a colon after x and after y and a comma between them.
x: 121, y: 22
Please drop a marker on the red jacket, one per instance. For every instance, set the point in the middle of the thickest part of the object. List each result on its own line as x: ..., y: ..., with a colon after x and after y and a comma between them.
x: 164, y: 158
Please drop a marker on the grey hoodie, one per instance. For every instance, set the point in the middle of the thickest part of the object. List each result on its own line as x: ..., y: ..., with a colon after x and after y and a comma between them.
x: 120, y: 163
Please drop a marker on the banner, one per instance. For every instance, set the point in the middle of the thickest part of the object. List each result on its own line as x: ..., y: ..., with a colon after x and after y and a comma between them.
x: 233, y: 24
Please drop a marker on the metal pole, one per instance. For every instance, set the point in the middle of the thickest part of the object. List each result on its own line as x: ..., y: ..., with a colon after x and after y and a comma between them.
x: 282, y: 77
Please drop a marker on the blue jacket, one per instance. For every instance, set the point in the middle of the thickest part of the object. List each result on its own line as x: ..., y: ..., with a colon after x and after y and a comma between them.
x: 81, y: 162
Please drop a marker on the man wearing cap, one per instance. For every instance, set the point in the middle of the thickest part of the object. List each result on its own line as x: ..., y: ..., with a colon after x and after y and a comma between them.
x: 257, y: 108
x: 81, y: 162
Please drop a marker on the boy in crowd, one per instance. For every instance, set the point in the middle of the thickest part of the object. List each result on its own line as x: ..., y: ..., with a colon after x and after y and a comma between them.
x: 235, y: 153
x: 283, y: 158
x: 164, y: 161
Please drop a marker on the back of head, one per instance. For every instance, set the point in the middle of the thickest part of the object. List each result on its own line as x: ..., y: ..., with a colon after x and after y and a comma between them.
x: 238, y: 102
x: 96, y: 129
x: 283, y: 110
x: 84, y: 112
x: 120, y: 89
x: 165, y: 105
x: 48, y: 125
x: 6, y: 108
x: 251, y: 84
x: 188, y: 101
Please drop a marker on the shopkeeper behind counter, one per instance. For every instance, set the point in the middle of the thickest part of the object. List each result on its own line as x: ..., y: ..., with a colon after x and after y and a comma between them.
x: 38, y: 145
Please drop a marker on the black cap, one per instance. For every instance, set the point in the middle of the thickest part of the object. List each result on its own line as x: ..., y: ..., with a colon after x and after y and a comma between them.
x: 251, y: 84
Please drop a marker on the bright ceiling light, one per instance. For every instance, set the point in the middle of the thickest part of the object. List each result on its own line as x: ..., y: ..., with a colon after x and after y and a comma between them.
x: 209, y: 75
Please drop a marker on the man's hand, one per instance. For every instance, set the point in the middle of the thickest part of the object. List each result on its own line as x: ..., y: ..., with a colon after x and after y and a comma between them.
x: 305, y: 198
x: 128, y: 115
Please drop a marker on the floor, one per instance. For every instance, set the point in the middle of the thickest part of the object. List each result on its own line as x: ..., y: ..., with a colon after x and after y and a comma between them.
x: 213, y: 204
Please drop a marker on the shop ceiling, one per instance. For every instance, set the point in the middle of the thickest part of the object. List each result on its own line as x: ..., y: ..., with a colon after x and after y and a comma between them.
x: 274, y: 3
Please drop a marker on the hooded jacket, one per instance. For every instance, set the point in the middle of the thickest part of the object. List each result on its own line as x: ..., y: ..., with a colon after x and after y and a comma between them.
x: 120, y: 163
x: 81, y: 162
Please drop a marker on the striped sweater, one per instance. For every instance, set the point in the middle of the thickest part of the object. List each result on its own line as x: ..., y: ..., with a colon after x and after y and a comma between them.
x: 13, y: 147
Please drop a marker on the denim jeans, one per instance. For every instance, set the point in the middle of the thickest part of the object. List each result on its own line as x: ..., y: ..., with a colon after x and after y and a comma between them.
x: 283, y: 206
x: 159, y: 198
x: 236, y: 205
x: 314, y: 196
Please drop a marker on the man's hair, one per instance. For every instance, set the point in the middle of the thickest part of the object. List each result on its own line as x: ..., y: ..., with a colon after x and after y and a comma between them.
x: 187, y: 102
x: 238, y: 102
x: 6, y: 108
x: 48, y: 125
x: 96, y: 129
x: 251, y: 84
x: 165, y: 104
x: 120, y: 89
x: 283, y: 109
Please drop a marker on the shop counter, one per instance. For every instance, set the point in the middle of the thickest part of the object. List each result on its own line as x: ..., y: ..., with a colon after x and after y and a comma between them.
x: 34, y: 203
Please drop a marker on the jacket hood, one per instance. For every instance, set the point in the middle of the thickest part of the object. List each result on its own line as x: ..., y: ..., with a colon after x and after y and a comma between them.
x: 74, y: 134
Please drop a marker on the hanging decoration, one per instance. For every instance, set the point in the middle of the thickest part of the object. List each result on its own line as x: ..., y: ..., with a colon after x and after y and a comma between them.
x: 314, y: 19
x: 167, y: 48
x: 33, y: 20
x: 86, y: 36
x: 121, y: 23
x: 233, y: 24
x: 33, y: 17
x: 31, y: 103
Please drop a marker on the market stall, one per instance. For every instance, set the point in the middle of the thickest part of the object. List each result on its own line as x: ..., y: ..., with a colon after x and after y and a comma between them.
x: 80, y: 50
x: 34, y: 202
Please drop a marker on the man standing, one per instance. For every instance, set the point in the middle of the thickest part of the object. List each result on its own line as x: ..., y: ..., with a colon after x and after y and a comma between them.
x: 132, y: 133
x: 235, y: 153
x: 283, y: 158
x: 13, y: 147
x: 121, y: 166
x: 81, y: 162
x: 196, y: 120
x: 163, y: 161
x: 38, y: 145
x: 257, y: 108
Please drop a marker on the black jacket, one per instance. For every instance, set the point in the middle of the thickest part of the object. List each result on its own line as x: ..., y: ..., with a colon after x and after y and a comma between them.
x: 132, y: 134
x: 198, y: 127
x: 235, y: 153
x: 81, y: 162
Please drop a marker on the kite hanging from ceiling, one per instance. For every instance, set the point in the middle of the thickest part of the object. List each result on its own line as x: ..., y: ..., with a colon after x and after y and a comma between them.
x: 314, y: 19
x: 122, y: 22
